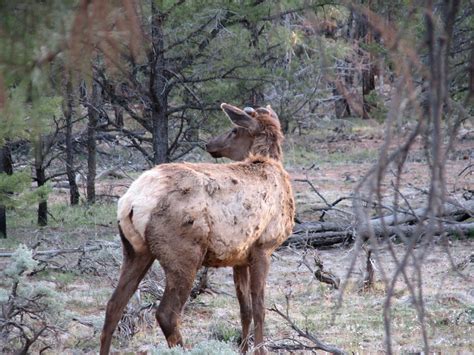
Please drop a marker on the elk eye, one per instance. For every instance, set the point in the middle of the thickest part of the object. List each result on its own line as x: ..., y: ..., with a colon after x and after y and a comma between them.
x: 234, y: 131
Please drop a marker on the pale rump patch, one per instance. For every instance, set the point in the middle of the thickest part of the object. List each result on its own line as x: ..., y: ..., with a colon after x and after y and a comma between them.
x: 135, y: 207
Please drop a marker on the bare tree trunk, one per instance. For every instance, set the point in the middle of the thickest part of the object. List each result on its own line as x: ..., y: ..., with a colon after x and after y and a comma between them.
x: 364, y: 32
x: 94, y: 102
x: 6, y: 166
x: 345, y: 74
x: 118, y: 110
x: 341, y: 106
x: 3, y: 222
x: 470, y: 94
x: 70, y: 170
x: 158, y: 90
x: 256, y: 93
x: 41, y: 180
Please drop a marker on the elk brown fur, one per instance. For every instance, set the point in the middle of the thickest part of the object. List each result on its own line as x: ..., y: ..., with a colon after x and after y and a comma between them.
x: 191, y: 215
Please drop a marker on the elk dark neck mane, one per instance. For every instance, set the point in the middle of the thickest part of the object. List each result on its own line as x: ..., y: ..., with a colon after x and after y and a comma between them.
x: 268, y: 143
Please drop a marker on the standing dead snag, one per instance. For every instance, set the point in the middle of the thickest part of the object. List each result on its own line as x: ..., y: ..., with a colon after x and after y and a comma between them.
x: 189, y: 215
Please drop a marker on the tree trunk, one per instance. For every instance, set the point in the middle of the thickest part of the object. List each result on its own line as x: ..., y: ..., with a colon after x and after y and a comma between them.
x: 94, y: 102
x: 345, y: 72
x: 158, y: 90
x: 41, y: 180
x: 3, y: 222
x: 365, y: 33
x: 70, y: 171
x: 256, y: 97
x: 341, y: 106
x: 6, y: 166
x: 118, y: 110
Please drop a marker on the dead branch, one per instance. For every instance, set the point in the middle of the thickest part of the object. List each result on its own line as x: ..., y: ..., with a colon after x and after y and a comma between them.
x: 320, y: 274
x: 319, y: 345
x: 324, y: 275
x: 201, y: 285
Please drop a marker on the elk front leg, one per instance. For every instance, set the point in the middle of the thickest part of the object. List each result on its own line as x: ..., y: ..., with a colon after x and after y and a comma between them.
x: 259, y: 265
x: 242, y: 289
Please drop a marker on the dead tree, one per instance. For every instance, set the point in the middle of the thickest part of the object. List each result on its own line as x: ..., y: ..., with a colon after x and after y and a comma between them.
x: 69, y: 114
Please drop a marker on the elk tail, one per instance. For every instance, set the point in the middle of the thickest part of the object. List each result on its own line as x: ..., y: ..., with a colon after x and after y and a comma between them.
x: 132, y: 240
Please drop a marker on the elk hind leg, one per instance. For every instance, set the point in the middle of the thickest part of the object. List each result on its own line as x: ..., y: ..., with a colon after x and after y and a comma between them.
x: 180, y: 273
x: 134, y: 268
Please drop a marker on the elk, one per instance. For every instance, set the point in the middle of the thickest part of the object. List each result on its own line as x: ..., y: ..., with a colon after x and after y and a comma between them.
x: 191, y: 215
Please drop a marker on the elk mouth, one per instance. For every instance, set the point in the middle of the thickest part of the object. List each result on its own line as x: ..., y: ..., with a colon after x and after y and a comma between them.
x: 215, y: 154
x: 213, y: 151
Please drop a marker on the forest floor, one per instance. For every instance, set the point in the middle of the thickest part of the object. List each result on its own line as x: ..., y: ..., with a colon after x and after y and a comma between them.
x: 334, y: 164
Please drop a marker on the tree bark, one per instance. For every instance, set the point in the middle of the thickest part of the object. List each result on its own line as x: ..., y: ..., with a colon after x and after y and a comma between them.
x: 6, y: 166
x: 158, y: 89
x: 70, y: 170
x: 341, y: 105
x: 256, y: 96
x: 94, y: 102
x: 3, y: 222
x: 345, y: 74
x: 365, y: 33
x: 118, y: 110
x: 41, y: 180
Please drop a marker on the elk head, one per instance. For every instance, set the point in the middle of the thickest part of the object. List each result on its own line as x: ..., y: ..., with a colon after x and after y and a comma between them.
x: 254, y: 132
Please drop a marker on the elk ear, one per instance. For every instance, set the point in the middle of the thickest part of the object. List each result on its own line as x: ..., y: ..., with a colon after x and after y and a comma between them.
x: 241, y: 118
x: 272, y: 113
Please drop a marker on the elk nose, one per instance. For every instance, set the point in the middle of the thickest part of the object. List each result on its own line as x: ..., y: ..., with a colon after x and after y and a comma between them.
x: 206, y: 146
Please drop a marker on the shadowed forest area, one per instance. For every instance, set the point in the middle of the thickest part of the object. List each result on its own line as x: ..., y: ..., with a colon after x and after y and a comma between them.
x: 375, y: 100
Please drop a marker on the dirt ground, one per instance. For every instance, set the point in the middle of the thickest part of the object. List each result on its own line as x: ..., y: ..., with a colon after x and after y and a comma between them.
x: 357, y: 326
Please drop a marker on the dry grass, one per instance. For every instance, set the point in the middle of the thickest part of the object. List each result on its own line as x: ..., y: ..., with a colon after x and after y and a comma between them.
x: 357, y: 325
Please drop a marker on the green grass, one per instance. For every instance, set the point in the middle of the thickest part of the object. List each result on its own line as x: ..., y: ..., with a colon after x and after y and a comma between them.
x: 353, y: 156
x: 68, y: 226
x: 66, y: 216
x: 223, y: 331
x: 312, y: 147
x: 300, y: 155
x: 63, y: 278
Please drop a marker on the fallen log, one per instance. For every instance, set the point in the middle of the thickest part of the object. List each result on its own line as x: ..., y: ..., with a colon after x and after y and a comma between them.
x: 450, y: 210
x: 403, y: 224
x: 320, y: 239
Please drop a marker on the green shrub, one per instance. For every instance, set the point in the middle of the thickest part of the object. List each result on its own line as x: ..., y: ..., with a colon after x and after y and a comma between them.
x: 29, y: 311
